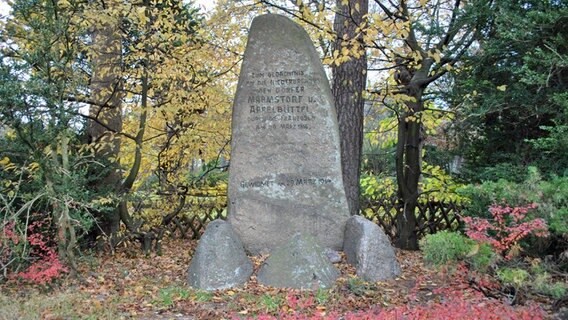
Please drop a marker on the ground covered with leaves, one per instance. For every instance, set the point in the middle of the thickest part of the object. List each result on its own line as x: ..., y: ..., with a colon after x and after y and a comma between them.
x: 129, y: 285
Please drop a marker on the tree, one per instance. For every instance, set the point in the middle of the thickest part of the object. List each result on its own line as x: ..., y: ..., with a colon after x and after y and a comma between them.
x: 158, y: 96
x: 41, y: 66
x: 105, y: 110
x: 163, y: 86
x: 349, y: 83
x: 419, y: 41
x: 514, y: 111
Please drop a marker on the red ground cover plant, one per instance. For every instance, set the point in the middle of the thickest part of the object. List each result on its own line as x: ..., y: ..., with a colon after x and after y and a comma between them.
x: 45, y: 266
x: 506, y: 229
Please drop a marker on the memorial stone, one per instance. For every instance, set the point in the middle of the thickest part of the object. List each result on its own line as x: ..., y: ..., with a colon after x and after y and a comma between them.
x: 285, y: 172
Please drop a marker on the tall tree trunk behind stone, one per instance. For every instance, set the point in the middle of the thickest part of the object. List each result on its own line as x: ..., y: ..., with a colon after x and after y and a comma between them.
x: 349, y: 81
x: 408, y: 170
x: 105, y: 112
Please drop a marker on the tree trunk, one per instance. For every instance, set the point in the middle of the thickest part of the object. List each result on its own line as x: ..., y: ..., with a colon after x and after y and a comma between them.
x: 408, y: 168
x: 349, y: 81
x: 122, y: 210
x: 106, y: 94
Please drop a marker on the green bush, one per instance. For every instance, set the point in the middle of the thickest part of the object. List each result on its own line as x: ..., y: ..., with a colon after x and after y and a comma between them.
x: 543, y: 284
x: 483, y: 258
x: 504, y: 170
x: 446, y: 246
x: 515, y: 277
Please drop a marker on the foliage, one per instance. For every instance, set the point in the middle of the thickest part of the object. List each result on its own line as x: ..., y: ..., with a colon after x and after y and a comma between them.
x: 452, y: 247
x: 490, y: 248
x: 43, y: 156
x: 511, y: 92
x: 30, y: 255
x: 484, y: 267
x: 437, y: 185
x: 377, y: 187
x: 507, y: 228
x: 45, y: 265
x: 482, y: 257
x: 516, y: 277
x: 548, y: 195
x: 500, y: 171
x: 173, y: 79
x: 445, y: 246
x: 543, y: 283
x: 62, y: 197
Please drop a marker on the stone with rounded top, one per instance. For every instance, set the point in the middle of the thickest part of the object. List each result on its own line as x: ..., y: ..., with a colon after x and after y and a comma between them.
x: 285, y: 173
x: 219, y: 261
x: 368, y: 248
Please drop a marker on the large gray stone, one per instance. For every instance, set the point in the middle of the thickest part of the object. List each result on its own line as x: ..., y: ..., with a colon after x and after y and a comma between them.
x: 219, y: 261
x: 300, y: 263
x: 369, y: 249
x: 285, y: 173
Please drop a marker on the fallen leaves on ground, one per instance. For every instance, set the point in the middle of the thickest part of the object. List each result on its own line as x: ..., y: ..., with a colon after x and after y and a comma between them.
x: 129, y: 284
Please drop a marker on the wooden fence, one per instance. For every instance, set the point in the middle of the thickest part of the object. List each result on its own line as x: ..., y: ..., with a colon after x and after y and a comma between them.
x: 431, y: 217
x: 192, y: 224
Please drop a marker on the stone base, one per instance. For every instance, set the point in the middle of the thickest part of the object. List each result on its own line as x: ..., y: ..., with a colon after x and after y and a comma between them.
x: 300, y: 264
x: 220, y: 261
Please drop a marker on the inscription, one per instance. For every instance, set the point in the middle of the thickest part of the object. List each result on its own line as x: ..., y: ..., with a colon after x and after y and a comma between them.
x: 275, y: 99
x: 291, y: 182
x: 278, y: 100
x: 279, y: 109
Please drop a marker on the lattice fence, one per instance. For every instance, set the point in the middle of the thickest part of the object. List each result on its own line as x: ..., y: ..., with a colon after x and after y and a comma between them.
x: 191, y: 224
x: 431, y: 217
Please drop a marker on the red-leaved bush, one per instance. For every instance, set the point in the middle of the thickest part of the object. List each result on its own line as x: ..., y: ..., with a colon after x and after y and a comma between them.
x: 45, y: 266
x: 506, y: 229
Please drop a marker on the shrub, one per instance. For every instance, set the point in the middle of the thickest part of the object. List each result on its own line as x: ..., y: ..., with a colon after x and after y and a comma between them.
x: 482, y: 257
x: 45, y: 265
x: 508, y: 226
x: 544, y: 284
x: 445, y: 246
x: 515, y: 277
x: 32, y: 251
x: 551, y: 197
x: 499, y: 171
